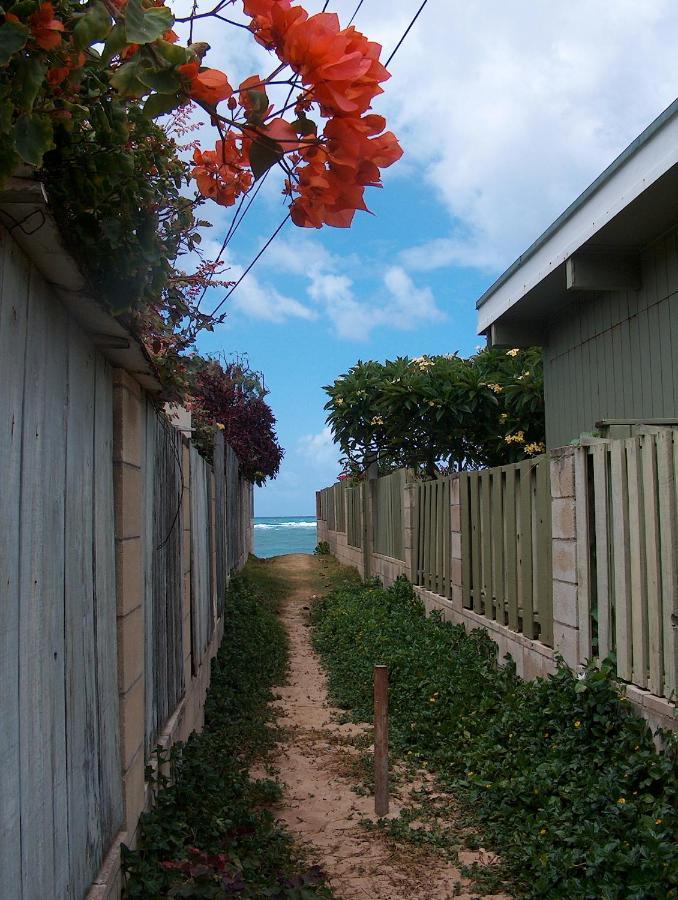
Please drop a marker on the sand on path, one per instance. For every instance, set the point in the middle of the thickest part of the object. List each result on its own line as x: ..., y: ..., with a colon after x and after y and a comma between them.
x: 319, y: 805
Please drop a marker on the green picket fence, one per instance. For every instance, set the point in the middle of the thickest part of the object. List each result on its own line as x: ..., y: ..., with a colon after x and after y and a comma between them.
x: 388, y: 515
x: 506, y: 546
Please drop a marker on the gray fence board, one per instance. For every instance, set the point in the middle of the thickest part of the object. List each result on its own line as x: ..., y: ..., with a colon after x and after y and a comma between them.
x: 44, y: 808
x: 81, y: 673
x: 110, y: 778
x: 13, y: 308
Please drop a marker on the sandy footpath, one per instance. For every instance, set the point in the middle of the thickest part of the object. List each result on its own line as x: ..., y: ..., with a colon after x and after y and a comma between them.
x: 319, y: 805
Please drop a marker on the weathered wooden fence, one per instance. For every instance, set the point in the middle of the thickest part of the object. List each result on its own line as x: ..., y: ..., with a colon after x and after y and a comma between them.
x: 163, y: 614
x: 60, y: 778
x: 506, y: 546
x: 388, y: 515
x: 432, y: 536
x: 354, y: 521
x: 633, y: 559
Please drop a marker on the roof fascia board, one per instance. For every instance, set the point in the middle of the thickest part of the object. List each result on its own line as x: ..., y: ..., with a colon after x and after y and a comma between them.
x: 649, y: 157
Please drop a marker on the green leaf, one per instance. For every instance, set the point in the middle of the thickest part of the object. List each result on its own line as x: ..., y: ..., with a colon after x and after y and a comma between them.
x: 30, y: 75
x: 305, y: 126
x: 127, y: 82
x: 6, y: 115
x: 93, y: 27
x: 115, y: 41
x: 173, y: 53
x: 23, y: 9
x: 165, y: 81
x: 146, y: 25
x: 264, y: 153
x: 13, y: 37
x: 160, y: 104
x: 33, y: 137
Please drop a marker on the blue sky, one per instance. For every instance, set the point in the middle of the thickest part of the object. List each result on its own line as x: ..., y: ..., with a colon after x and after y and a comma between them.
x: 506, y: 112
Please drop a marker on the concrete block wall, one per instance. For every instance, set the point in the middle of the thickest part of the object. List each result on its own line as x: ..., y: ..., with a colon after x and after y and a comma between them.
x: 129, y: 417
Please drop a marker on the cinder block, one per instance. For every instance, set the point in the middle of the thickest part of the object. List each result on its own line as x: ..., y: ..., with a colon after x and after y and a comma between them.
x: 128, y: 488
x: 129, y: 574
x: 566, y: 642
x: 130, y: 648
x: 565, y: 603
x: 122, y: 379
x: 456, y: 573
x: 562, y: 472
x: 564, y: 560
x: 132, y: 722
x: 127, y: 409
x: 454, y: 490
x: 457, y: 597
x: 563, y: 518
x: 455, y: 518
x: 536, y: 665
x: 455, y: 545
x: 134, y: 788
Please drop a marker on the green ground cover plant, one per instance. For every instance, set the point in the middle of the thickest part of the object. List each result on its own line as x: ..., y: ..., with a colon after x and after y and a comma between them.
x: 211, y: 833
x: 558, y: 775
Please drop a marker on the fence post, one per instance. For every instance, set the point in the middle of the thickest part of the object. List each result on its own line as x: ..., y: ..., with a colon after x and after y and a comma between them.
x: 381, y: 740
x: 369, y: 502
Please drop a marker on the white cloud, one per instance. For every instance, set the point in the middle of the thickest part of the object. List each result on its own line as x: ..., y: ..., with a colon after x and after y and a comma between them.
x: 319, y: 449
x: 507, y: 111
x: 260, y: 300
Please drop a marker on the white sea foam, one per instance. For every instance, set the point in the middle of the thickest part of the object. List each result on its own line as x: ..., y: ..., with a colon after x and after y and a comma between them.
x: 284, y: 524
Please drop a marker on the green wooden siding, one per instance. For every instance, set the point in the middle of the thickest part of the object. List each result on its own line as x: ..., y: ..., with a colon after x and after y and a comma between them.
x: 614, y: 355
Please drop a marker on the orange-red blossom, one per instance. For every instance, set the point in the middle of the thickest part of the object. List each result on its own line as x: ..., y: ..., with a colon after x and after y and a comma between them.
x: 45, y: 27
x: 223, y: 173
x: 209, y: 85
x: 340, y: 71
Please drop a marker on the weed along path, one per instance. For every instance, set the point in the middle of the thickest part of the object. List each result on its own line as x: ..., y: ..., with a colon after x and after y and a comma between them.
x: 319, y: 767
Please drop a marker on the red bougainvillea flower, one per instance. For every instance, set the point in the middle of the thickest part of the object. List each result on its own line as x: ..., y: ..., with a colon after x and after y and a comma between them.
x: 45, y: 28
x: 223, y: 173
x: 209, y: 85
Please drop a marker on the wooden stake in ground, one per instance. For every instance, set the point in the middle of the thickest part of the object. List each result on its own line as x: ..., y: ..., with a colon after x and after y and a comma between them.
x: 381, y: 740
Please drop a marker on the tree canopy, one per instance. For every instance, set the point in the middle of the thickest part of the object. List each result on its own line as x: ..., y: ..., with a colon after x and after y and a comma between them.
x: 435, y: 412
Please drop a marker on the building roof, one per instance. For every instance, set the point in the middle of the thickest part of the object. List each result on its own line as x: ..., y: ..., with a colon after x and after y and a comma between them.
x: 631, y: 203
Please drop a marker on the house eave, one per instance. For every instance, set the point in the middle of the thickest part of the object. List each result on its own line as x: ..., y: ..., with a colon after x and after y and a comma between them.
x: 596, y: 219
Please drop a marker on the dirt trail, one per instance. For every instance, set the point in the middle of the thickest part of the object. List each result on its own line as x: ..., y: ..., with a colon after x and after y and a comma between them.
x: 319, y: 806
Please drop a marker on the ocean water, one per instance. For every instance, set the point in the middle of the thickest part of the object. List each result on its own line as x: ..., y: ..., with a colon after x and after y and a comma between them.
x: 277, y: 535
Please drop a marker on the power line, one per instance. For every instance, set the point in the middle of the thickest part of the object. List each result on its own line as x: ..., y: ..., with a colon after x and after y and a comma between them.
x: 251, y: 265
x: 357, y: 10
x: 407, y: 31
x: 280, y: 227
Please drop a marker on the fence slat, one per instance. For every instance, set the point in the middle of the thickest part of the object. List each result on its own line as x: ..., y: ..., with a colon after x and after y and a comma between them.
x: 619, y: 500
x: 474, y: 482
x: 486, y: 538
x: 652, y: 563
x: 525, y: 545
x: 637, y: 552
x: 511, y: 548
x: 544, y: 551
x: 466, y: 538
x: 582, y: 514
x: 601, y: 509
x: 669, y: 555
x: 498, y: 585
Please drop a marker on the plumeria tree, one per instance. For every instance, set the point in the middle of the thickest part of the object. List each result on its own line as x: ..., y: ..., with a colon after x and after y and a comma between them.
x: 438, y: 412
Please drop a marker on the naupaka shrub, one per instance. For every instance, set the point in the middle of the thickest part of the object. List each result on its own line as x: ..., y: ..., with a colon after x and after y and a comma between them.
x: 560, y: 775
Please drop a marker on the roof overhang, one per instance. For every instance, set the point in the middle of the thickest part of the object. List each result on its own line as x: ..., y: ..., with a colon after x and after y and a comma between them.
x: 23, y: 203
x: 595, y: 243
